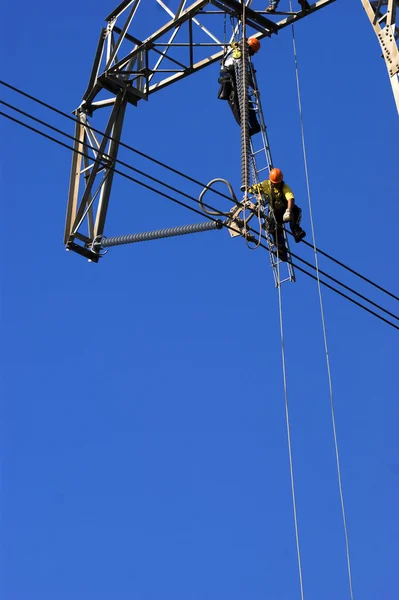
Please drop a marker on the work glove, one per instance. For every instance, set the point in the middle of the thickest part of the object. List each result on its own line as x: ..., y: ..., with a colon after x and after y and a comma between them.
x: 255, y: 189
x: 287, y: 216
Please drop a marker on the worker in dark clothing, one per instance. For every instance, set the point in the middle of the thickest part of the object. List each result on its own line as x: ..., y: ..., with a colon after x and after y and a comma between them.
x: 304, y: 4
x: 282, y: 210
x: 228, y: 84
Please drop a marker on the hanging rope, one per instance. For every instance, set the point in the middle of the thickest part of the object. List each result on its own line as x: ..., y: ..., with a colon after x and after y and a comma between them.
x: 338, y: 463
x: 287, y: 420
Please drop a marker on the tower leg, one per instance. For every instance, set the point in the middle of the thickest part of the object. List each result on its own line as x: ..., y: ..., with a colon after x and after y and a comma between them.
x: 99, y: 162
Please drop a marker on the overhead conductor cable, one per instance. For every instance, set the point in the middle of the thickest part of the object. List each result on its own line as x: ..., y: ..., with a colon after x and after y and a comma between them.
x: 172, y: 170
x: 322, y: 315
x: 193, y: 209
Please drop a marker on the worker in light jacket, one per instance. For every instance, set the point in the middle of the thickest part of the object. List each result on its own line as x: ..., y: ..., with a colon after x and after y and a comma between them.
x: 282, y: 210
x: 228, y: 84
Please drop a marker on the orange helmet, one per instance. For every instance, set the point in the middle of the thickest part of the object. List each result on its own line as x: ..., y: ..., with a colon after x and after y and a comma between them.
x: 276, y: 176
x: 254, y: 44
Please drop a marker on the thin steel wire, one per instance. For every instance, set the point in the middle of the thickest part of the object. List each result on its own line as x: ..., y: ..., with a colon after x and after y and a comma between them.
x: 288, y: 426
x: 323, y: 321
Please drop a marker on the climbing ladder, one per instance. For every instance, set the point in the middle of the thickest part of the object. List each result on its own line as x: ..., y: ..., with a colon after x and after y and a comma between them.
x: 261, y: 164
x: 256, y: 163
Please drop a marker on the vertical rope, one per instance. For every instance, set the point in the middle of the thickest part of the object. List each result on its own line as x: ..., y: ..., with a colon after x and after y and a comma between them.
x: 287, y: 420
x: 323, y: 322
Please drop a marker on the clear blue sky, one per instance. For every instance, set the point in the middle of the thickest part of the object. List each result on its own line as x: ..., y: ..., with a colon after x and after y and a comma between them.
x: 143, y: 444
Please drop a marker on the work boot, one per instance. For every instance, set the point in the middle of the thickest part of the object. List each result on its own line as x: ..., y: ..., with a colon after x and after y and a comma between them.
x: 271, y: 8
x: 298, y: 234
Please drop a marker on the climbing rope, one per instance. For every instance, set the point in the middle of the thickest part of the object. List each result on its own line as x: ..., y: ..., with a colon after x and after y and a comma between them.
x: 322, y: 313
x: 288, y: 426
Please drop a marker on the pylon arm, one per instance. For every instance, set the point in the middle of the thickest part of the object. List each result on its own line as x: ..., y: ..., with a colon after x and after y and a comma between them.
x: 154, y: 63
x: 382, y: 16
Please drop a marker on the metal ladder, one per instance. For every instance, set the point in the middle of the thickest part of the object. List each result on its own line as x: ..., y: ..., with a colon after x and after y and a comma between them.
x: 261, y: 163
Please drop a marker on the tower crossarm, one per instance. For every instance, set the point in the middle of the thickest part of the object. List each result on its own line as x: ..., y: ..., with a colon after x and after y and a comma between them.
x: 192, y: 39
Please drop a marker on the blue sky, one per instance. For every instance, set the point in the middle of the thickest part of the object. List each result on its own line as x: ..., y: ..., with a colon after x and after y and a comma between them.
x: 143, y: 443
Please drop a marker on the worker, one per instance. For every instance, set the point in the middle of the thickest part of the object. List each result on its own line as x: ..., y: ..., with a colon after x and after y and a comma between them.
x: 304, y: 4
x: 228, y: 84
x: 282, y: 210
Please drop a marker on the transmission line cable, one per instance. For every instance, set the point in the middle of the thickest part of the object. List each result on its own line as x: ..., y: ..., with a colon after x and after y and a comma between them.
x: 104, y: 154
x: 53, y: 139
x: 323, y: 320
x: 175, y: 200
x: 346, y: 287
x: 330, y: 287
x: 185, y: 176
x: 216, y: 212
x: 341, y: 264
x: 111, y: 138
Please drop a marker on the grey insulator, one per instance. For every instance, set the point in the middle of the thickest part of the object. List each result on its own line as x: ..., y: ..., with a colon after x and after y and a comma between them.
x: 241, y: 72
x: 146, y: 236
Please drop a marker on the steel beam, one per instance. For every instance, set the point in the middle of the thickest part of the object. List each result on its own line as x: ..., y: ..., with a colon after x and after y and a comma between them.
x: 75, y: 176
x: 264, y: 27
x: 97, y: 173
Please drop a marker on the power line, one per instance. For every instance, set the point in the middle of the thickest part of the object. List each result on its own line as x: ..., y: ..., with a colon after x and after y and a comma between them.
x: 346, y: 287
x: 341, y: 264
x: 190, y: 197
x: 109, y: 137
x: 175, y: 200
x: 53, y: 139
x: 174, y: 189
x: 105, y: 155
x: 185, y: 176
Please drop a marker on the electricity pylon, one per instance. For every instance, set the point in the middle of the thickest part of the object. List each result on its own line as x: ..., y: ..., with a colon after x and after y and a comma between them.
x: 131, y: 63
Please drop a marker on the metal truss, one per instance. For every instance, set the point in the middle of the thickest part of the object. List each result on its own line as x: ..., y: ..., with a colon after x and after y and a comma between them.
x: 130, y: 64
x: 382, y: 16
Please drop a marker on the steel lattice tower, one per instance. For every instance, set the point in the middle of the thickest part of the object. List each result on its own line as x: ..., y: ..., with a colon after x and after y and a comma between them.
x: 128, y: 69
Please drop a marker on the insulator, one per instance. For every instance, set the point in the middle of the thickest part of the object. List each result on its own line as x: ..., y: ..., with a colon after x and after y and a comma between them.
x: 146, y: 236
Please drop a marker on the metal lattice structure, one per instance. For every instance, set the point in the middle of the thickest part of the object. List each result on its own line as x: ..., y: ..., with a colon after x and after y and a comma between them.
x: 382, y: 16
x: 130, y: 64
